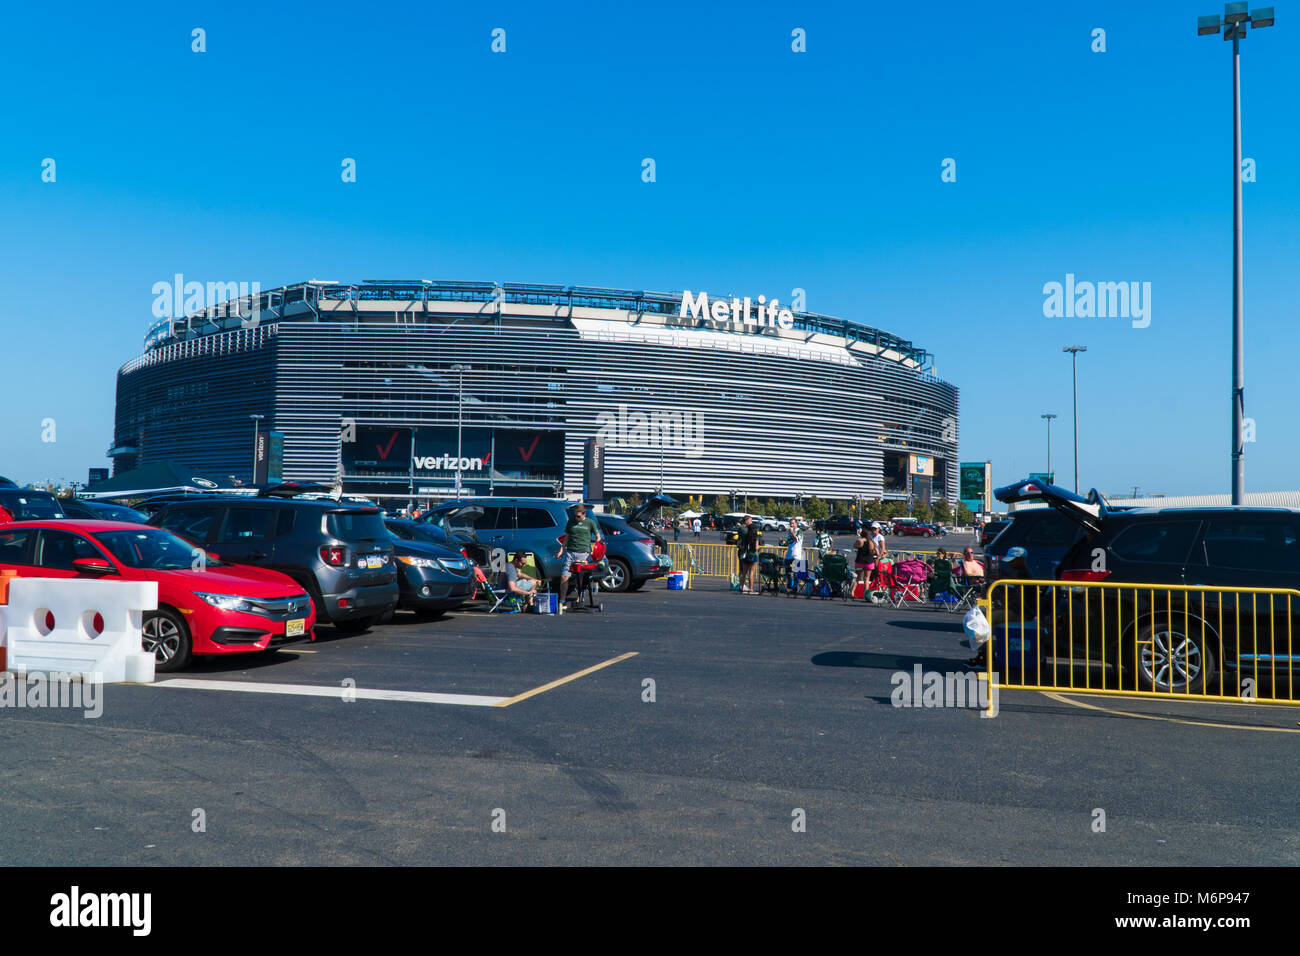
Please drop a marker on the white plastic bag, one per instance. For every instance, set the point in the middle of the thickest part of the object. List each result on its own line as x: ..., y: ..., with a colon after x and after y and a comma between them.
x: 977, y: 628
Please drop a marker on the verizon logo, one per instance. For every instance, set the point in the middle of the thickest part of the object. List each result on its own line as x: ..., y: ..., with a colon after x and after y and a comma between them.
x: 449, y: 463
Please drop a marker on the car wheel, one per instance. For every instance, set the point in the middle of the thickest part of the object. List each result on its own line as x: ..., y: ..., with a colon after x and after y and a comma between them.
x: 617, y: 577
x: 356, y: 625
x: 1174, y: 656
x: 165, y: 635
x: 636, y: 585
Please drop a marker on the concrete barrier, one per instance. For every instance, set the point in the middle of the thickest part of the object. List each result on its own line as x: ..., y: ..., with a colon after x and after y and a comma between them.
x: 79, y: 627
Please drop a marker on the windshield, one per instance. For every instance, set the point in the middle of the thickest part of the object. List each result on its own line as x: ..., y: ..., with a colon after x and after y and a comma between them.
x: 32, y: 506
x: 153, y: 549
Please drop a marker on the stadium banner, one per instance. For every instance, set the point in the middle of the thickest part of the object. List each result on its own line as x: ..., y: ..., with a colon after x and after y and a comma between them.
x: 977, y: 485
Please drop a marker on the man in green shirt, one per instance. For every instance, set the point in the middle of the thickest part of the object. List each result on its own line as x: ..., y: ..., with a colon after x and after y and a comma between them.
x: 579, y: 533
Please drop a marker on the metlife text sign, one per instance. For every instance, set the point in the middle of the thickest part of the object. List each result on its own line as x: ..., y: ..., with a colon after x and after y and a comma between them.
x: 735, y: 315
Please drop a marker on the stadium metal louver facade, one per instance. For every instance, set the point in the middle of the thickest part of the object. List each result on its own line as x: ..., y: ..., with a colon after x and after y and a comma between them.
x: 359, y: 381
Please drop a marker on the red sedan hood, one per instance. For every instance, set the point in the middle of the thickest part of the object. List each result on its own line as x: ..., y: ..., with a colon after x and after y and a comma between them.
x: 234, y: 579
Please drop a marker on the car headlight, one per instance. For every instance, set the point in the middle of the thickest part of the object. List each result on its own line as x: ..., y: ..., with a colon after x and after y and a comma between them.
x: 226, y: 602
x: 421, y: 562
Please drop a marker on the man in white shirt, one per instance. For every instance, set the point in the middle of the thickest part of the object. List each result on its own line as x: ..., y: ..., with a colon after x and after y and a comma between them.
x: 696, y: 527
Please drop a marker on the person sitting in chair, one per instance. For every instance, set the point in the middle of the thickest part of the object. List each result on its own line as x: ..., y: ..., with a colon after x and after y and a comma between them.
x: 518, y: 583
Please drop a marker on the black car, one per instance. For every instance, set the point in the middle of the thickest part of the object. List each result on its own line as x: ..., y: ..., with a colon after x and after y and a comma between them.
x: 991, y: 530
x: 1044, y: 533
x: 1182, y: 632
x: 27, y: 504
x: 837, y: 524
x: 100, y: 511
x: 340, y: 553
x: 432, y: 577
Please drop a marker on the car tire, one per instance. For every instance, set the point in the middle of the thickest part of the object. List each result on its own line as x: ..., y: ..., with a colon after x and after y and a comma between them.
x: 1172, y: 657
x: 165, y: 635
x: 357, y: 624
x: 618, y: 576
x: 637, y: 585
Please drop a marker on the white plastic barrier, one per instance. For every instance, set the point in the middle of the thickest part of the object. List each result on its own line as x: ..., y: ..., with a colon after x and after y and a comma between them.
x: 78, y: 627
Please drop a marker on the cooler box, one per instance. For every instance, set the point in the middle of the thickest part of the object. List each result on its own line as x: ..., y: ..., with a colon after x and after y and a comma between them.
x: 859, y: 589
x: 1015, y: 647
x: 677, y: 581
x: 546, y: 603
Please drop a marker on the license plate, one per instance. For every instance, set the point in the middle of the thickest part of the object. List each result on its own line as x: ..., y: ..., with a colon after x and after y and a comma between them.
x: 374, y: 561
x: 295, y: 628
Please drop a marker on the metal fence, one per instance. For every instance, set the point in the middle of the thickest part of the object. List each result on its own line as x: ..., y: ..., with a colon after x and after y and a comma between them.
x: 1148, y: 640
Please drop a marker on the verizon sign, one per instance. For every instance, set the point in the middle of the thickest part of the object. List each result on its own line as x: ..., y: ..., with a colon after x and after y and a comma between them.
x: 447, y: 463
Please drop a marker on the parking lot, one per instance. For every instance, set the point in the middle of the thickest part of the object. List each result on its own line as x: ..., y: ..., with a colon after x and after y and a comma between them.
x: 532, y: 739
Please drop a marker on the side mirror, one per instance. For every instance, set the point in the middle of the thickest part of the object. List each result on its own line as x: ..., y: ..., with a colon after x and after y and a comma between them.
x: 93, y: 566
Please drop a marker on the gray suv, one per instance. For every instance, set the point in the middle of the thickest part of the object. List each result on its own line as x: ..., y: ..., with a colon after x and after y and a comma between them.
x: 536, y: 525
x: 341, y: 554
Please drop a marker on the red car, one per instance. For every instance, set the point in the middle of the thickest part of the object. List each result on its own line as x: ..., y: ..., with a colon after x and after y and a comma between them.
x: 205, y: 606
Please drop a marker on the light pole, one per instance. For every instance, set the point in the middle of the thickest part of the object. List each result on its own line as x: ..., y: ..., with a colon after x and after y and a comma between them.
x: 1235, y: 19
x: 256, y: 419
x: 1049, y: 416
x: 1074, y: 351
x: 460, y: 371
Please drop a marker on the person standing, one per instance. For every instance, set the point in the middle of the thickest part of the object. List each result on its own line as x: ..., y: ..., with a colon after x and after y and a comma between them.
x: 697, y: 526
x: 864, y: 560
x: 747, y: 545
x: 677, y: 529
x: 579, y: 534
x: 793, y: 553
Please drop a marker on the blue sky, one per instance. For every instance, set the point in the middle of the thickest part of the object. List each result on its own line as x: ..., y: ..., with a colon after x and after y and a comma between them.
x: 775, y: 170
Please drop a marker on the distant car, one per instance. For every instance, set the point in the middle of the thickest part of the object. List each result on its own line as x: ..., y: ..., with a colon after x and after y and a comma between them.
x: 26, y: 504
x: 991, y: 530
x: 432, y: 577
x: 100, y: 510
x: 214, y: 608
x: 914, y: 529
x: 837, y: 524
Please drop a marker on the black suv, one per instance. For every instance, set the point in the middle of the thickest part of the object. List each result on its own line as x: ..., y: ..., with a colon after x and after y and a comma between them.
x: 1176, y: 639
x: 27, y: 504
x: 340, y: 553
x: 837, y: 524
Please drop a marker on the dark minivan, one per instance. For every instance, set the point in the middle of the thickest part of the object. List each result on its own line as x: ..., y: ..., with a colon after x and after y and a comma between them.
x: 340, y: 553
x: 1188, y: 635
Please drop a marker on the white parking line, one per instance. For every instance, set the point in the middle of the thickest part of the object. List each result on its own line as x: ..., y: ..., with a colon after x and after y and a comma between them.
x: 316, y: 690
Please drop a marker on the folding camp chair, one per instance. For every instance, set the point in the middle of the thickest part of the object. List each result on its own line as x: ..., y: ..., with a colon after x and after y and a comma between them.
x: 946, y: 592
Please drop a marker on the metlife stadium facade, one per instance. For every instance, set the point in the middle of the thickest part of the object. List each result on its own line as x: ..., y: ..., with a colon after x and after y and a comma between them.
x: 689, y: 392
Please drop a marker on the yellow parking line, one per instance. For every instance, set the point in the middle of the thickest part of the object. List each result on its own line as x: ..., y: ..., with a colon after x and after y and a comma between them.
x: 564, y: 680
x: 292, y: 650
x: 1172, y: 720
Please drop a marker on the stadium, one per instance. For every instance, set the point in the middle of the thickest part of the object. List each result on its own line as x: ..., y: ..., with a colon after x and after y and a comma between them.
x: 396, y: 387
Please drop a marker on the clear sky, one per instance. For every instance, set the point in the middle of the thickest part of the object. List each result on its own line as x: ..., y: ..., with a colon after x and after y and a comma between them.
x: 819, y: 170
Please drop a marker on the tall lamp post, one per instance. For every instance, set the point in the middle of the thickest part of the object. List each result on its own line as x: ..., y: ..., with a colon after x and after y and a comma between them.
x: 1049, y: 416
x: 460, y: 371
x: 1074, y: 351
x: 256, y: 419
x: 1235, y: 19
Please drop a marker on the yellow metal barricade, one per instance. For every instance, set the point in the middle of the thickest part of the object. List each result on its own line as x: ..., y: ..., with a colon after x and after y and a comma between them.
x: 1168, y: 641
x: 715, y: 560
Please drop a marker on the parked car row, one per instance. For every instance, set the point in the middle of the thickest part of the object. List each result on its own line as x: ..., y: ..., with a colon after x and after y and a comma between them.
x: 238, y: 574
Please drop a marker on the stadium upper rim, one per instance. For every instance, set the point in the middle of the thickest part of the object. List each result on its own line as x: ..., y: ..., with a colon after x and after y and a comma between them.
x: 273, y: 303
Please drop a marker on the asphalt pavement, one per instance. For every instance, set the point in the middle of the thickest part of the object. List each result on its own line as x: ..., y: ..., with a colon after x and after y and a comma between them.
x: 699, y: 727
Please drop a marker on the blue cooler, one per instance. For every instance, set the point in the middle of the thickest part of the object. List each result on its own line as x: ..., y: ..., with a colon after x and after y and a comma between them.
x: 546, y: 603
x: 677, y: 581
x: 1015, y: 647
